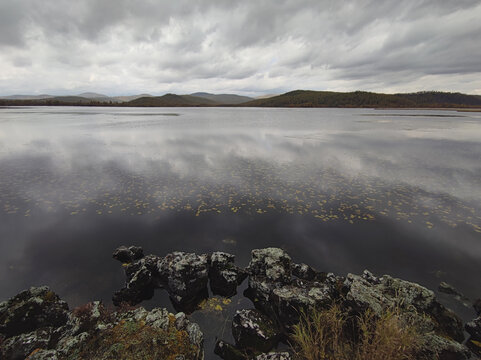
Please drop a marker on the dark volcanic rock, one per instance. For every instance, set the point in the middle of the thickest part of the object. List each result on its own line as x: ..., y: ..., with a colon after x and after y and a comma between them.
x: 477, y: 306
x: 128, y: 254
x: 273, y: 263
x: 290, y: 301
x: 274, y: 356
x: 474, y: 329
x: 254, y: 331
x: 228, y: 351
x: 30, y: 310
x: 142, y: 279
x: 442, y: 330
x: 185, y: 276
x: 224, y: 275
x: 304, y: 272
x: 93, y: 332
x: 20, y: 346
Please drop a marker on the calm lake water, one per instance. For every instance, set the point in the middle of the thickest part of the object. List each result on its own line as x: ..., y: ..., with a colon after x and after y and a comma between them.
x: 393, y: 191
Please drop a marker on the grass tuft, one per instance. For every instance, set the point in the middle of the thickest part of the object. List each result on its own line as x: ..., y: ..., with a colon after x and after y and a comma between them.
x: 332, y: 335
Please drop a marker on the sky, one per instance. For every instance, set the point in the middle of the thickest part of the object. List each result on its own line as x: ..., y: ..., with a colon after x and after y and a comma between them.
x: 125, y: 47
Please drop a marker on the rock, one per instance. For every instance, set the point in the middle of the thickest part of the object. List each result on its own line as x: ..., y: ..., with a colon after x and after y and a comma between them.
x: 158, y: 318
x: 440, y: 348
x: 254, y: 331
x: 32, y: 309
x: 477, y: 306
x: 291, y: 300
x: 228, y: 351
x: 304, y: 272
x: 474, y: 329
x: 446, y: 288
x: 185, y: 276
x: 273, y: 263
x: 274, y: 356
x: 441, y: 328
x: 224, y: 276
x: 259, y: 291
x: 20, y: 346
x: 42, y: 354
x: 142, y: 278
x: 128, y: 254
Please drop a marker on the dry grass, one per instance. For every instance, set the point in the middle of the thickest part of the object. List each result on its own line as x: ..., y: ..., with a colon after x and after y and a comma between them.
x: 329, y: 335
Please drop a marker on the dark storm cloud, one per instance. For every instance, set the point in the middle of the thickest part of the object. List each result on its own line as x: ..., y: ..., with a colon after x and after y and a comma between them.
x: 127, y: 46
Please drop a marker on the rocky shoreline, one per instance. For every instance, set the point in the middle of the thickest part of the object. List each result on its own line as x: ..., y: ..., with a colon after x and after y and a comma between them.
x: 37, y: 324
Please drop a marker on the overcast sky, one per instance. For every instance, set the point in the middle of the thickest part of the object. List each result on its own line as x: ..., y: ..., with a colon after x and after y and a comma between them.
x: 121, y: 47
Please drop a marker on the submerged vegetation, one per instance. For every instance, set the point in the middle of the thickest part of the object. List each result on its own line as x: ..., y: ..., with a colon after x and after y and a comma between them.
x: 333, y: 335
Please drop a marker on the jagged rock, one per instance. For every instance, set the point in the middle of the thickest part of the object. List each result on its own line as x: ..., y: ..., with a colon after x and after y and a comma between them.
x: 142, y: 278
x: 304, y: 272
x: 273, y: 263
x: 32, y: 309
x: 274, y: 356
x: 42, y: 354
x: 20, y: 346
x: 289, y: 301
x: 128, y: 254
x: 477, y: 306
x: 185, y: 276
x: 224, y: 276
x: 441, y: 328
x: 440, y: 348
x: 254, y: 331
x: 259, y: 291
x: 228, y: 351
x: 474, y: 329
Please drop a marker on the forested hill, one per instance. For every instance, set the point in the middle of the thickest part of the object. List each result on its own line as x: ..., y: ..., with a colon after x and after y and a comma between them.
x: 297, y: 98
x: 309, y: 98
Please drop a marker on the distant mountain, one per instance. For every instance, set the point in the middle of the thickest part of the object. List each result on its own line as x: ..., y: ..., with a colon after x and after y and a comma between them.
x: 309, y: 98
x: 129, y: 98
x: 231, y: 99
x: 266, y: 96
x: 92, y: 95
x: 297, y: 98
x: 26, y: 97
x: 171, y: 100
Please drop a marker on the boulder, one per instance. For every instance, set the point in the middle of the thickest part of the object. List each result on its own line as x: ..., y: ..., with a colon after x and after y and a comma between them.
x: 185, y: 276
x: 30, y: 310
x: 254, y: 331
x: 142, y: 278
x: 273, y: 263
x: 474, y: 329
x: 290, y: 301
x: 228, y: 351
x: 20, y: 346
x: 441, y: 329
x: 224, y: 276
x: 304, y: 272
x: 129, y: 254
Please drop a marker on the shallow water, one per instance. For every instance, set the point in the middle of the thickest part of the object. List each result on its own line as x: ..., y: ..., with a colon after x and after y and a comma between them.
x: 393, y: 191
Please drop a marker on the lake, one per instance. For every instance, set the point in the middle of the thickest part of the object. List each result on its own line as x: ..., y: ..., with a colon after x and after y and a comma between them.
x: 394, y: 191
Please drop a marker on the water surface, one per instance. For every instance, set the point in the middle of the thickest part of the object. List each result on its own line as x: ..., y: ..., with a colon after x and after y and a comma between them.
x: 393, y: 191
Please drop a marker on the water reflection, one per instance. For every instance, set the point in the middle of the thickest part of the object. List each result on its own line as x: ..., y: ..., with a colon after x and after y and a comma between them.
x: 339, y: 189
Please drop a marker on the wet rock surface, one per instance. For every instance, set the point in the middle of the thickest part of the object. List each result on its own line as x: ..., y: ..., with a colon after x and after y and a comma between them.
x: 36, y: 324
x: 93, y: 332
x: 254, y: 331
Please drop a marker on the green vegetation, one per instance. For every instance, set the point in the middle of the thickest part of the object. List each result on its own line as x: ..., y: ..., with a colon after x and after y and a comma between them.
x: 332, y: 335
x: 131, y: 339
x: 307, y: 98
x: 297, y: 98
x: 171, y: 100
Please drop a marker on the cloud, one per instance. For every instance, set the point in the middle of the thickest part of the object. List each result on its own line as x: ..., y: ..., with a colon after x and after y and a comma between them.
x: 122, y: 46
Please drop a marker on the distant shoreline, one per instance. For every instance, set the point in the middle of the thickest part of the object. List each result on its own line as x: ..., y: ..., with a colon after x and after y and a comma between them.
x: 429, y: 100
